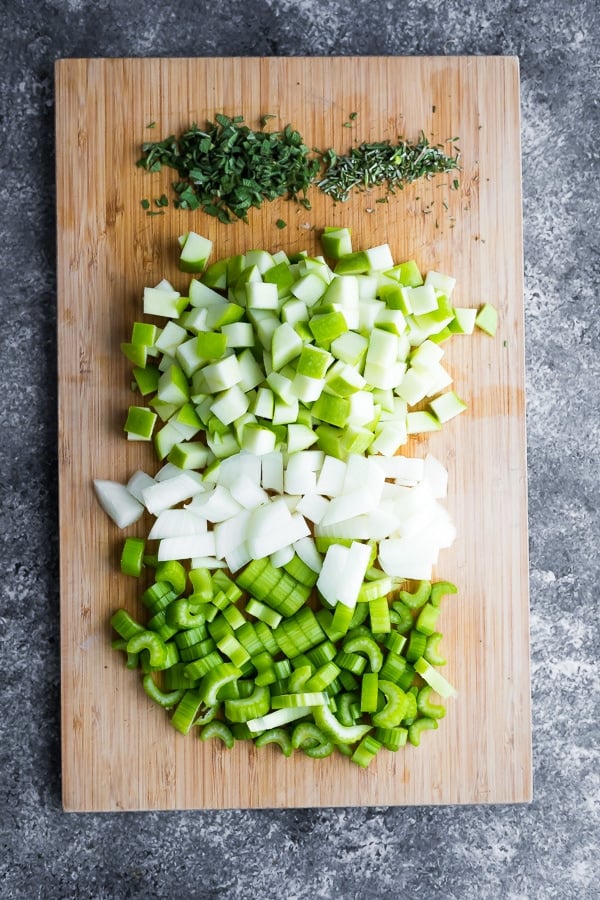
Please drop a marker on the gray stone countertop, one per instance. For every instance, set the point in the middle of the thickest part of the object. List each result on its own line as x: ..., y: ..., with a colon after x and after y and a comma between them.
x: 546, y: 849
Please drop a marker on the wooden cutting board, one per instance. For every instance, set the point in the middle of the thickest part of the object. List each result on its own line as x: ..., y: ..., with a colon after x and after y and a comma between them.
x: 118, y: 749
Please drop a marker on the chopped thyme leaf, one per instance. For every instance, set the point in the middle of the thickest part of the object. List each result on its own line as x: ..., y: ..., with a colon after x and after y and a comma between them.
x: 280, y: 223
x: 145, y: 204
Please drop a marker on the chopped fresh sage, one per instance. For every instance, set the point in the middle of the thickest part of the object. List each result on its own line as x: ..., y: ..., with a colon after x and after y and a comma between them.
x: 228, y: 168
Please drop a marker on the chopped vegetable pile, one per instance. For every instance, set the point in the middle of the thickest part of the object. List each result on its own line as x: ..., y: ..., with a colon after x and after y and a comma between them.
x: 286, y: 527
x: 227, y: 168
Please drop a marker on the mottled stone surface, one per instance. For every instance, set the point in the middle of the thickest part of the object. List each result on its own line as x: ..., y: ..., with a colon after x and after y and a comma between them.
x: 548, y: 849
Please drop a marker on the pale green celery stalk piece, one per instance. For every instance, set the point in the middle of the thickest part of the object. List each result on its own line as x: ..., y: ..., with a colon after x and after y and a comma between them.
x: 194, y: 253
x: 434, y: 678
x: 447, y: 406
x: 487, y: 319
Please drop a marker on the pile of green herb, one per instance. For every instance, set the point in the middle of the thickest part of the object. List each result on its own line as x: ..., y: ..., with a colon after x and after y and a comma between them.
x: 228, y: 168
x: 372, y: 164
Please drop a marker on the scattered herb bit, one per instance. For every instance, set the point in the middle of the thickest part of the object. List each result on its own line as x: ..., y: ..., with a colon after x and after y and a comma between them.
x: 347, y: 124
x: 266, y: 118
x: 280, y: 223
x: 151, y: 125
x: 227, y: 168
x: 353, y: 116
x: 373, y: 164
x: 145, y: 204
x: 163, y: 200
x: 455, y: 184
x: 155, y: 212
x: 433, y: 109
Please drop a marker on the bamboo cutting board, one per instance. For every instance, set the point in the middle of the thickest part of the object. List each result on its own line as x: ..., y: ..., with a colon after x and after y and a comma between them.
x: 118, y: 749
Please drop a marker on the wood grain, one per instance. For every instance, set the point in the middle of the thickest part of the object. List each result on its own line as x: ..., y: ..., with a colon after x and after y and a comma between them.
x: 118, y: 749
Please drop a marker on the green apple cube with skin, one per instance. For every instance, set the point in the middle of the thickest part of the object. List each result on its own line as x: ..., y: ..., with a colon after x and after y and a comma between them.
x: 195, y: 252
